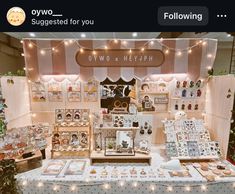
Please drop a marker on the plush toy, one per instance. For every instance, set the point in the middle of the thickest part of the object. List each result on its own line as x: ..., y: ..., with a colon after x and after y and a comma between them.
x: 180, y: 115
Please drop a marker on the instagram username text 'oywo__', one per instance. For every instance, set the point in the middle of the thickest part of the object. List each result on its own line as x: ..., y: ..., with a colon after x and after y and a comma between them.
x: 65, y: 21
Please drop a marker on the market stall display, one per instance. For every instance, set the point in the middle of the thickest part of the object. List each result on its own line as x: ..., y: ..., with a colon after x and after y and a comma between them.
x: 125, y: 128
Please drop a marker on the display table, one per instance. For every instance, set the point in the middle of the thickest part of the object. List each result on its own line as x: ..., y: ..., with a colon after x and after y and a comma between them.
x: 34, y: 182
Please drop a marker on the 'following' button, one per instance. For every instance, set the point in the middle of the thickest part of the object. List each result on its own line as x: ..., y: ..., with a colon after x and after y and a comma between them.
x: 183, y: 16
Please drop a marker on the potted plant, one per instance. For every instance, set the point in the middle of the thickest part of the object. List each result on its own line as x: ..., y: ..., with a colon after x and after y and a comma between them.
x: 8, y: 184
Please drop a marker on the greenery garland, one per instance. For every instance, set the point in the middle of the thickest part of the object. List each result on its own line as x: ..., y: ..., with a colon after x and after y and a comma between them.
x: 8, y: 183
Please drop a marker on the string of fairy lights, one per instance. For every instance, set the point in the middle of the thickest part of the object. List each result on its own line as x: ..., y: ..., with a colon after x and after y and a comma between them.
x: 147, y: 44
x: 152, y: 186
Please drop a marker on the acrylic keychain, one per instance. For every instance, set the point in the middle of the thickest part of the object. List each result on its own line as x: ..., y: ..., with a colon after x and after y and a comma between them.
x: 141, y: 130
x: 185, y: 84
x: 190, y: 106
x: 178, y: 84
x: 199, y: 93
x: 191, y: 84
x: 198, y: 83
x: 176, y: 107
x: 184, y: 93
x: 150, y: 130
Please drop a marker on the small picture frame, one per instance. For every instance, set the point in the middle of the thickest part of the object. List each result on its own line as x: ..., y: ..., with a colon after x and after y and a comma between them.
x: 83, y: 139
x: 59, y: 115
x: 121, y: 145
x: 76, y: 115
x: 68, y: 115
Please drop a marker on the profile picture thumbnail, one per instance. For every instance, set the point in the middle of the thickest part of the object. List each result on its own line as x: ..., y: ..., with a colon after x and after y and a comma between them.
x: 16, y: 16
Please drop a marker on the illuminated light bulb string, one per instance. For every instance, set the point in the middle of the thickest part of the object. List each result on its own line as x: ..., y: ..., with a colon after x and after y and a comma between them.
x: 105, y: 185
x: 148, y: 44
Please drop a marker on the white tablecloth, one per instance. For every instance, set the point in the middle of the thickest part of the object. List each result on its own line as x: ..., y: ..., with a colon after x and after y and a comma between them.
x: 32, y: 182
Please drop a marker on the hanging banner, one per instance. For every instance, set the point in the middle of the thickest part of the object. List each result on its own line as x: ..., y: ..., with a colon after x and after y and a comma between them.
x: 120, y: 58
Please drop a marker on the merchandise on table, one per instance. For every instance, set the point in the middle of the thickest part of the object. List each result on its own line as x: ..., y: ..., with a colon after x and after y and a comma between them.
x: 23, y: 140
x: 189, y: 139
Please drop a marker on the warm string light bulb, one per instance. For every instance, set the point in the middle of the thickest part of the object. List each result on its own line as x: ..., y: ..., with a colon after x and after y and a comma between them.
x: 42, y: 52
x: 204, y: 43
x: 94, y: 52
x: 169, y: 188
x: 30, y: 45
x: 134, y: 184
x: 152, y: 187
x: 190, y: 51
x: 130, y: 51
x: 106, y: 186
x: 40, y: 184
x: 24, y: 183
x: 22, y: 54
x: 121, y: 183
x: 73, y: 188
x: 56, y: 188
x: 142, y: 49
x: 124, y: 42
x: 209, y: 55
x: 53, y: 49
x: 21, y: 41
x: 166, y: 51
x: 105, y: 47
x: 151, y: 42
x: 188, y: 188
x: 115, y: 41
x: 203, y: 187
x: 179, y: 53
x: 81, y: 50
x: 66, y: 43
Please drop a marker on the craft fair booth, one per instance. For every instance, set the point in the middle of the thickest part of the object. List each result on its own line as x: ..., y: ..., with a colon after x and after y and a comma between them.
x: 117, y: 116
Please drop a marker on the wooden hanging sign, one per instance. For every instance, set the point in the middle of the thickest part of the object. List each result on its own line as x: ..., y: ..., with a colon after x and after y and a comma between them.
x: 120, y: 58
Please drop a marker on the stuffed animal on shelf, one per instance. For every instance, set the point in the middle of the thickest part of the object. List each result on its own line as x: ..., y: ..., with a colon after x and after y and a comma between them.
x: 180, y: 115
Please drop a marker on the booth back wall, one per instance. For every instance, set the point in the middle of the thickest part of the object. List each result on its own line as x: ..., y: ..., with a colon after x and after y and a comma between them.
x: 41, y: 60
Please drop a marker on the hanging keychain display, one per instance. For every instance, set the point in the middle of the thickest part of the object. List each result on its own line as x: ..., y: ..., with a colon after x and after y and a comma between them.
x: 142, y: 130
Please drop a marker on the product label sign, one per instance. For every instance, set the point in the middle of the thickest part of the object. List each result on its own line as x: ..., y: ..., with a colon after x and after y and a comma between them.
x: 120, y: 58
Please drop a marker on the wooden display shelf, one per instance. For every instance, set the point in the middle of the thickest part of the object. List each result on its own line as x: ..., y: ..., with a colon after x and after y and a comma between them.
x: 83, y: 153
x: 99, y: 157
x: 117, y: 128
x: 154, y: 112
x: 70, y: 154
x: 154, y: 93
x: 71, y: 128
